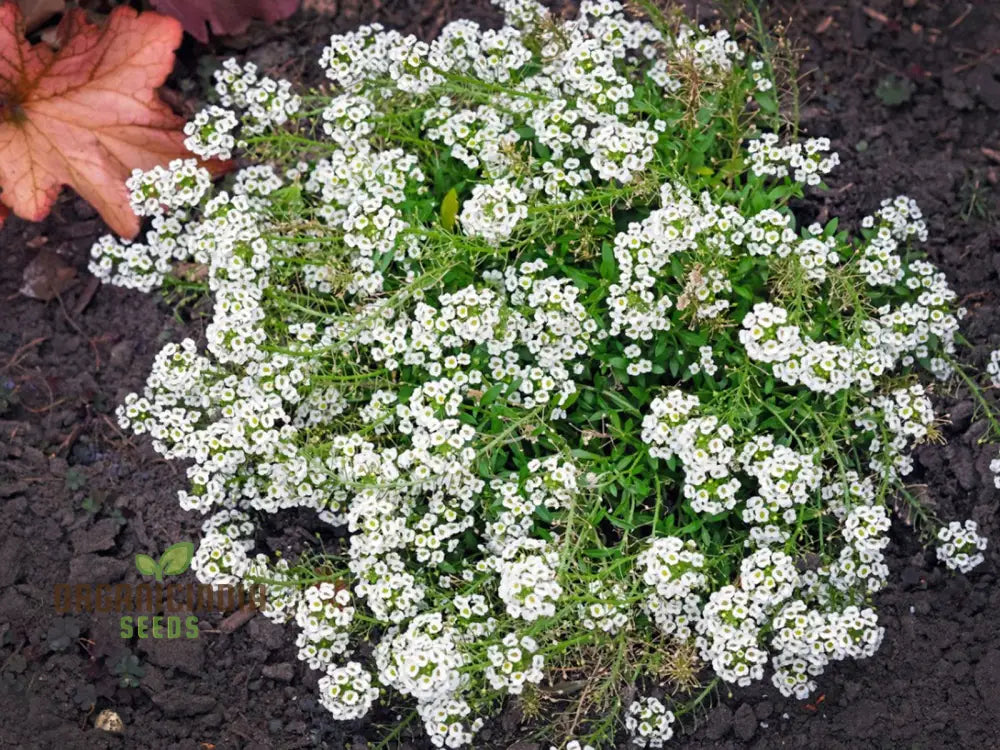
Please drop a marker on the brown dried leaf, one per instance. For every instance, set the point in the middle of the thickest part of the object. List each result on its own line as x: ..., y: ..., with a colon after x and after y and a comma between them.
x: 47, y: 276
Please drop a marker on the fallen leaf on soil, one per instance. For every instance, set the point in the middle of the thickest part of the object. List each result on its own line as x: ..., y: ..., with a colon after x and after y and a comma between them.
x: 37, y: 12
x: 224, y: 16
x: 47, y: 276
x: 87, y: 114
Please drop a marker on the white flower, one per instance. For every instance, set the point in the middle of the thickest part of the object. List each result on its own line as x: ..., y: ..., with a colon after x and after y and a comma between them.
x: 493, y: 211
x: 993, y: 368
x: 961, y: 546
x: 514, y: 663
x: 422, y: 661
x: 649, y: 722
x: 529, y: 584
x: 347, y: 691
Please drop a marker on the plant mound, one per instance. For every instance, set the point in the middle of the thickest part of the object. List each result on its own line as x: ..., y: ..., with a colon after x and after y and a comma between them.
x: 525, y: 318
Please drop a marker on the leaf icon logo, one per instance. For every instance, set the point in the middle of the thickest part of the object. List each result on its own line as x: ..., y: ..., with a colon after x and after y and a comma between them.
x: 174, y: 561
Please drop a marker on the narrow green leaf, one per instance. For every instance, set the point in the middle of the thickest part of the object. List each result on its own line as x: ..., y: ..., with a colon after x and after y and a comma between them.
x: 609, y: 266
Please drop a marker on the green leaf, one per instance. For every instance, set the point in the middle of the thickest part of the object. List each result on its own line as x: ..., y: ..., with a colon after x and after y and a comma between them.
x: 75, y: 479
x: 621, y: 402
x: 609, y: 266
x: 449, y: 209
x: 544, y: 513
x: 491, y: 395
x: 177, y: 558
x: 385, y: 259
x: 894, y: 90
x: 147, y: 566
x: 767, y: 102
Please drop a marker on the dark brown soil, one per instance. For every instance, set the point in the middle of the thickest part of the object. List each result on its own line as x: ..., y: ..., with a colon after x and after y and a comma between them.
x: 79, y: 498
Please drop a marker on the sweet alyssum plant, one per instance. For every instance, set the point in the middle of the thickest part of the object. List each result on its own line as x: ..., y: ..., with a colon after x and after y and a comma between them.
x: 526, y: 314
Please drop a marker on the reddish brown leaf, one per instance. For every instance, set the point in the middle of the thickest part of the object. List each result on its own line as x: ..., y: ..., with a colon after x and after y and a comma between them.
x: 87, y: 114
x: 224, y: 16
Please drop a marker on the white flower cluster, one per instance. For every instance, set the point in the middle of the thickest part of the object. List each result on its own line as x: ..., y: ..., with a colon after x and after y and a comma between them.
x: 705, y: 363
x: 513, y: 663
x: 447, y: 722
x: 222, y: 558
x: 961, y: 546
x: 347, y: 692
x: 421, y: 382
x: 493, y: 211
x: 819, y: 365
x: 128, y: 265
x: 709, y: 54
x: 210, y: 133
x: 180, y: 185
x: 703, y: 445
x: 993, y: 368
x: 861, y: 565
x: 729, y: 635
x: 785, y: 481
x: 529, y: 586
x: 606, y: 613
x: 262, y: 102
x: 422, y: 661
x: 165, y: 194
x: 283, y: 593
x: 900, y: 418
x: 324, y: 615
x: 477, y: 138
x: 250, y: 105
x: 895, y: 222
x: 649, y: 723
x: 805, y: 162
x: 805, y: 641
x: 673, y: 570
